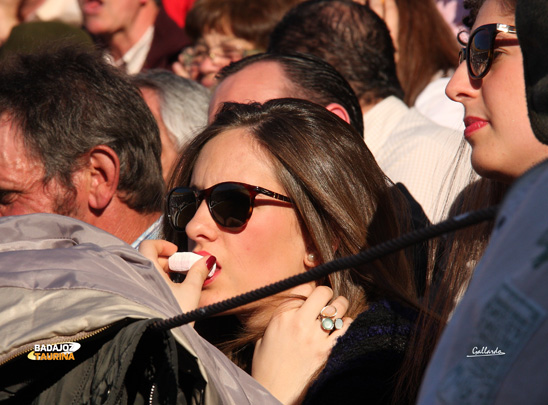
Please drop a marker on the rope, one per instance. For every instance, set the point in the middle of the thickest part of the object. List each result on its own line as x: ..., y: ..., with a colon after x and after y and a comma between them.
x: 366, y: 256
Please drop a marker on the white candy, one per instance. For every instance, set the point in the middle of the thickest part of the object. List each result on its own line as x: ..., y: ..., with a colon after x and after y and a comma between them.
x: 183, y: 261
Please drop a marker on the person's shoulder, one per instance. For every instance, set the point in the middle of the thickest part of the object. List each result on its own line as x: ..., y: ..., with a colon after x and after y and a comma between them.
x: 22, y: 229
x: 384, y: 325
x: 417, y: 128
x: 420, y: 121
x: 167, y: 29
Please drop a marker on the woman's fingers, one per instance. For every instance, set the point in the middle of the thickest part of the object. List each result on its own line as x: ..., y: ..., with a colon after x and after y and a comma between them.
x: 188, y: 292
x: 197, y: 275
x: 179, y: 69
x: 341, y: 304
x: 318, y: 299
x: 152, y: 249
x: 303, y: 290
x: 319, y: 304
x: 332, y: 318
x: 294, y: 345
x: 158, y: 252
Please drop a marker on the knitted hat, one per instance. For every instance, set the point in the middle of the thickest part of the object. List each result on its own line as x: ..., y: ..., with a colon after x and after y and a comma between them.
x: 532, y: 29
x: 31, y: 36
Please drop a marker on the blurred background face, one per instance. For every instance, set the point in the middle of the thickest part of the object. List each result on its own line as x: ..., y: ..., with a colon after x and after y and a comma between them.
x: 212, y: 52
x: 496, y: 118
x: 104, y: 17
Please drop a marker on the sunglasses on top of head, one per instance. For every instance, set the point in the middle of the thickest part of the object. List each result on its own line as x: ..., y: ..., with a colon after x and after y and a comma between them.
x: 479, y: 51
x: 230, y: 204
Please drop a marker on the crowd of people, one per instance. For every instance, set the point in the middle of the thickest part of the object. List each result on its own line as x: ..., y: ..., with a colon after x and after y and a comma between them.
x: 271, y: 138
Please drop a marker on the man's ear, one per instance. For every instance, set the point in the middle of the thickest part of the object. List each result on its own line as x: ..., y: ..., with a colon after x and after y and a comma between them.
x: 339, y: 111
x: 104, y: 169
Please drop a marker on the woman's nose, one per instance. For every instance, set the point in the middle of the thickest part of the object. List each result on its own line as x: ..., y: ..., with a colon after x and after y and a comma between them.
x: 461, y: 86
x: 202, y: 225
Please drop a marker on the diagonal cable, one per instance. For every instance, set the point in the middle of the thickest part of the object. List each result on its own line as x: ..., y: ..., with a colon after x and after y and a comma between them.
x: 366, y: 256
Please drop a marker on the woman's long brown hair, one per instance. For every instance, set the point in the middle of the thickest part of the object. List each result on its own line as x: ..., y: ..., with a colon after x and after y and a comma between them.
x: 343, y: 201
x: 426, y: 46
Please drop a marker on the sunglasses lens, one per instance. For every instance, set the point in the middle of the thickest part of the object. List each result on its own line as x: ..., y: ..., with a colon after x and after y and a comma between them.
x: 182, y: 206
x: 480, y: 51
x: 230, y: 205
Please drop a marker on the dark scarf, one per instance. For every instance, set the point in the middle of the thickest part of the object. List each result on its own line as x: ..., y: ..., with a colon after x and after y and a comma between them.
x: 532, y: 29
x: 363, y: 365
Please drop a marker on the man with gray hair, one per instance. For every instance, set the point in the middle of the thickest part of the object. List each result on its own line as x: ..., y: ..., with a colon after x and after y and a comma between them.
x: 77, y: 139
x: 180, y: 107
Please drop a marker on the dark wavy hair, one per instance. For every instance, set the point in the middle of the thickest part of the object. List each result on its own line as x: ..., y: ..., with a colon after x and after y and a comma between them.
x: 473, y: 6
x: 67, y: 100
x: 350, y: 37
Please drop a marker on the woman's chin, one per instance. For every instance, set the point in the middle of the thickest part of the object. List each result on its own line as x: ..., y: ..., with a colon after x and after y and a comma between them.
x: 492, y: 173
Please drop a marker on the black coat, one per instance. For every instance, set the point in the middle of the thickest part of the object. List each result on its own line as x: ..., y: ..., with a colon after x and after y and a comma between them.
x: 363, y: 364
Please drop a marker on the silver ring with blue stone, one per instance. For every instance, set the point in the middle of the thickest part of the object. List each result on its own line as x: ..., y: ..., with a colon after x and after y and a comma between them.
x: 328, y: 324
x: 328, y: 321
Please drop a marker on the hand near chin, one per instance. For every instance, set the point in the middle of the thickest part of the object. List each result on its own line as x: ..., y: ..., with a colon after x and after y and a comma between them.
x: 188, y: 292
x: 295, y: 347
x: 179, y: 69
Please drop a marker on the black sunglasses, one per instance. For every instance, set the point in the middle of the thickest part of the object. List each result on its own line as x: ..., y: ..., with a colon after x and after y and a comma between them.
x: 479, y: 51
x: 230, y: 204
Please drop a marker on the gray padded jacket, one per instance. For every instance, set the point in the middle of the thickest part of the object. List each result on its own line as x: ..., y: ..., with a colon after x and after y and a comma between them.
x: 62, y: 280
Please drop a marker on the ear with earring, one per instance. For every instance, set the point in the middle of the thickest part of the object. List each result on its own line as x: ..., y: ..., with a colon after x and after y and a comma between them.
x: 311, y: 260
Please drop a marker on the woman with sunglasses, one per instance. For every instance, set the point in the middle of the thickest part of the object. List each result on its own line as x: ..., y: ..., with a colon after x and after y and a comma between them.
x: 504, y: 309
x: 491, y: 87
x: 270, y: 191
x: 489, y: 83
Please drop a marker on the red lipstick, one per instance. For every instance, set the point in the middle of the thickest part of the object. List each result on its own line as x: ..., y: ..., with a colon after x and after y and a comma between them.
x: 472, y: 125
x: 209, y: 280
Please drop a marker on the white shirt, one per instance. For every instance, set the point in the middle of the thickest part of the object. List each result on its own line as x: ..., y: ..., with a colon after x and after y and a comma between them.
x: 153, y: 232
x: 417, y: 152
x: 433, y: 103
x: 134, y: 59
